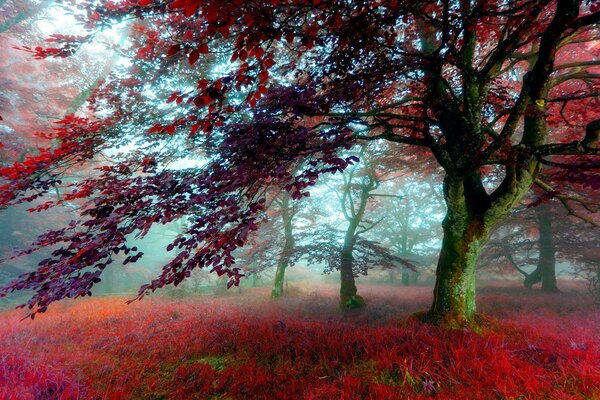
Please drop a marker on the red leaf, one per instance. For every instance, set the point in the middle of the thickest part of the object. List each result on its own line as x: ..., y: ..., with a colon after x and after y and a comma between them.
x: 174, y: 49
x: 172, y: 97
x: 259, y: 52
x: 263, y: 76
x: 203, y: 48
x: 269, y: 62
x: 193, y: 57
x: 195, y: 128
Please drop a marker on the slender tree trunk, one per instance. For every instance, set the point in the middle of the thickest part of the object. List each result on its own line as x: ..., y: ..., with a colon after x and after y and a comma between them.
x: 348, y: 291
x: 545, y: 271
x: 547, y: 260
x: 349, y: 298
x: 288, y: 247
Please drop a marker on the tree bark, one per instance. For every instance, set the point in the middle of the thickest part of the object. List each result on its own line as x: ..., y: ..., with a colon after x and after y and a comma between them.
x: 288, y: 247
x: 348, y: 291
x: 545, y: 271
x: 465, y: 233
x: 547, y: 259
x: 454, y: 292
x: 349, y: 298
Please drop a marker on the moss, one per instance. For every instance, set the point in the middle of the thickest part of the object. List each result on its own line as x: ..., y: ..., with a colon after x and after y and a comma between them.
x: 352, y: 302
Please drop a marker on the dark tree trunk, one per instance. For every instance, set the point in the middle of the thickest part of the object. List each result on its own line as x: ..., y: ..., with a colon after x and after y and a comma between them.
x: 348, y: 291
x: 547, y: 261
x: 349, y: 298
x: 546, y: 268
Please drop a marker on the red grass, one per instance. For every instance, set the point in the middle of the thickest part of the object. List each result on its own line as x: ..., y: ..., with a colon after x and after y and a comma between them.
x: 246, y: 347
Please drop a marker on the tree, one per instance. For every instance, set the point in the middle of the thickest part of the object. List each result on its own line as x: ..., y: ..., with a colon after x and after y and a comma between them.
x: 410, y: 222
x: 527, y: 231
x: 437, y: 75
x: 324, y: 245
x: 354, y: 196
x: 287, y: 216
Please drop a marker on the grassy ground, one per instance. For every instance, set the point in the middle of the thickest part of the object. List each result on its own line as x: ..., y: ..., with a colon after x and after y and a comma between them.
x: 302, y: 347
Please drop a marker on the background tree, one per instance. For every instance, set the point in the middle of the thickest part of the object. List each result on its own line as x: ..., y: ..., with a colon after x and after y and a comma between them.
x: 288, y: 211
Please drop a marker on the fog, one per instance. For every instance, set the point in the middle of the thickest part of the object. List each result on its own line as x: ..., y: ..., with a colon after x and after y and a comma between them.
x: 403, y: 216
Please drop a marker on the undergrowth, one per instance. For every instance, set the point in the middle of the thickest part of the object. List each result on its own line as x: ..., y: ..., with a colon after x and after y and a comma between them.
x: 302, y: 347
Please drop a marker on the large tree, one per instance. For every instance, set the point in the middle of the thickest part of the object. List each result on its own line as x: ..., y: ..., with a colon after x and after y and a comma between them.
x: 491, y: 88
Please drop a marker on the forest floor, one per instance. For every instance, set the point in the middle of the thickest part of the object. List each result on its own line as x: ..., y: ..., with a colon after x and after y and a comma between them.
x: 245, y: 346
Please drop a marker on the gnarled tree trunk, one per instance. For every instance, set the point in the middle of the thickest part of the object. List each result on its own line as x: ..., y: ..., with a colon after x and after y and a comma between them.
x: 464, y: 236
x: 467, y: 226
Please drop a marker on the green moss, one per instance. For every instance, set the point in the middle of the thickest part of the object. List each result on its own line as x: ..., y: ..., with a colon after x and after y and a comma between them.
x: 352, y: 302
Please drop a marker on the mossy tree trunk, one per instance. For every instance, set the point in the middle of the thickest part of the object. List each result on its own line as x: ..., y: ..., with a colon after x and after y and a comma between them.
x: 472, y: 212
x: 285, y: 254
x: 464, y: 236
x: 471, y: 216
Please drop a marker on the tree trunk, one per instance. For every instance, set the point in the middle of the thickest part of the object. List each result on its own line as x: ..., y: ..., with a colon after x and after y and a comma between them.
x: 454, y: 292
x: 349, y: 299
x: 545, y: 271
x: 282, y: 264
x: 464, y: 236
x: 547, y: 259
x: 288, y: 247
x: 405, y: 277
x: 348, y: 291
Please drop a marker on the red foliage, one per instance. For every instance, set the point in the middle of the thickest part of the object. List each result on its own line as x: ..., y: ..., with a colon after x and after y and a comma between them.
x: 301, y: 349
